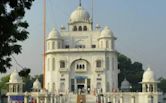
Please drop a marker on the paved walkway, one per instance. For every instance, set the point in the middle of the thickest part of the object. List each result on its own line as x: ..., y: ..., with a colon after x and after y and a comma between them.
x: 81, y: 99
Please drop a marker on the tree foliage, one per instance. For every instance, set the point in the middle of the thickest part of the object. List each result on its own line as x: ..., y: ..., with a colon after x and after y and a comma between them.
x: 12, y: 29
x: 132, y: 71
x: 3, y: 82
x: 162, y: 84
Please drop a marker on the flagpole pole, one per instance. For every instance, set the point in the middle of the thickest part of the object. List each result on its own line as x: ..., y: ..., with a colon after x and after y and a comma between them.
x: 44, y: 40
x: 92, y: 14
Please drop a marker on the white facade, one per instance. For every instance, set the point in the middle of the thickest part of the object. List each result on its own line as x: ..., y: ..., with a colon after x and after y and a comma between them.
x: 82, y: 61
x: 81, y: 57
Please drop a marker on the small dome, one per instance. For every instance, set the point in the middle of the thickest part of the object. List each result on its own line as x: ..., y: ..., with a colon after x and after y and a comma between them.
x: 148, y: 76
x: 54, y: 34
x: 15, y: 78
x: 106, y: 32
x: 79, y: 15
x: 37, y: 84
x: 125, y: 84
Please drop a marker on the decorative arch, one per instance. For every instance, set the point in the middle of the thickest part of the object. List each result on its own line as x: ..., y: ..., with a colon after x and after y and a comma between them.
x: 80, y: 28
x: 75, y: 28
x: 83, y: 66
x: 85, y: 28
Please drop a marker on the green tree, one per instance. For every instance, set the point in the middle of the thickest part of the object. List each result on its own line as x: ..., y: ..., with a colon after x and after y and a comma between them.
x: 3, y: 82
x: 162, y: 84
x: 132, y: 71
x: 12, y: 29
x: 29, y: 81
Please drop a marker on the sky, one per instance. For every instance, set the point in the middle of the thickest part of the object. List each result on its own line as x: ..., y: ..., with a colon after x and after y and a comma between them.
x: 139, y: 25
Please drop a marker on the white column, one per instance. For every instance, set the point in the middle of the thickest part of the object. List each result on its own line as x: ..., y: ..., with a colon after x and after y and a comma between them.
x: 60, y: 99
x: 38, y: 100
x: 75, y: 85
x: 55, y: 100
x: 46, y: 99
x: 85, y: 86
x: 154, y: 88
x: 121, y: 99
x: 148, y: 87
x: 8, y: 99
x: 105, y: 101
x: 51, y: 98
x: 25, y: 99
x: 143, y: 88
x: 101, y: 98
x: 114, y: 99
x: 16, y: 88
x: 133, y: 99
x: 108, y: 99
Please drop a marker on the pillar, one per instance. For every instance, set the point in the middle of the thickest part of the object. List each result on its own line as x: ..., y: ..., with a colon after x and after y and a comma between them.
x: 51, y: 98
x: 75, y: 85
x: 16, y: 88
x: 46, y: 99
x: 143, y: 88
x: 8, y: 99
x: 105, y: 101
x: 132, y: 99
x: 101, y: 98
x: 26, y: 99
x: 60, y: 99
x: 108, y: 100
x: 154, y: 88
x: 38, y: 100
x: 148, y: 90
x: 121, y: 99
x: 114, y: 99
x: 85, y: 86
x: 55, y: 99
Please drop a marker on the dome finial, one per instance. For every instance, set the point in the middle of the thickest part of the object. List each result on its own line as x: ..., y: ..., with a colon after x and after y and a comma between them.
x: 80, y: 3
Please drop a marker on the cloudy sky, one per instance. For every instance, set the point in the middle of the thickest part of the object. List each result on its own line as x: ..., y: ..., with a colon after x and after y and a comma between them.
x: 139, y: 25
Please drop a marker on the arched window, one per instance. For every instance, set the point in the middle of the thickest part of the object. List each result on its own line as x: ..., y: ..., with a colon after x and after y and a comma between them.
x: 98, y: 63
x: 53, y: 64
x: 53, y: 86
x: 62, y: 64
x: 83, y: 66
x: 151, y: 88
x: 85, y: 28
x: 48, y: 45
x: 75, y: 28
x: 62, y: 86
x: 48, y: 64
x: 107, y: 44
x: 80, y: 28
x: 101, y: 45
x: 53, y: 45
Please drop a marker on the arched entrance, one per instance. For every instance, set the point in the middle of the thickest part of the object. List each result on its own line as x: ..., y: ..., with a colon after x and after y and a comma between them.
x: 79, y: 78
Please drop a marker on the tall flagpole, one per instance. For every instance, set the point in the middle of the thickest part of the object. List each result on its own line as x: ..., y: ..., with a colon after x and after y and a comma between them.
x: 92, y: 14
x: 44, y: 41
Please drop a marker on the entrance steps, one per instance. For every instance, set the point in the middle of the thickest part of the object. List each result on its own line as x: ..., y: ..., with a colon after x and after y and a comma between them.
x: 90, y: 98
x: 81, y: 99
x: 72, y: 98
x: 86, y: 98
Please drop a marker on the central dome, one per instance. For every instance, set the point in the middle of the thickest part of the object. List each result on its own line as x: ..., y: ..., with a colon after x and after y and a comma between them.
x: 15, y: 78
x: 148, y: 76
x: 79, y: 15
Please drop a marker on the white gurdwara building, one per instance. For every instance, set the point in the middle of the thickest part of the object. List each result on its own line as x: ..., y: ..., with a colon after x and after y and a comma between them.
x: 82, y: 67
